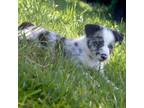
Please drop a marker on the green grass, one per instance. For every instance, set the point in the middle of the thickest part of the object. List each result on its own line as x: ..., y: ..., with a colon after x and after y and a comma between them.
x: 48, y: 83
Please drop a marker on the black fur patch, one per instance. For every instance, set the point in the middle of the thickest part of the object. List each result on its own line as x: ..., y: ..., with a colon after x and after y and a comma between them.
x: 90, y: 29
x: 42, y: 38
x: 76, y: 44
x: 25, y: 25
x: 118, y: 36
x: 96, y: 43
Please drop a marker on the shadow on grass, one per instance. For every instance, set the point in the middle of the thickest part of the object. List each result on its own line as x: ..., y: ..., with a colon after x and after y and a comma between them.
x: 81, y: 7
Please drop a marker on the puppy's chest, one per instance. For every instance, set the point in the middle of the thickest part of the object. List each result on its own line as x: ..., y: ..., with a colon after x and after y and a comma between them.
x: 79, y: 55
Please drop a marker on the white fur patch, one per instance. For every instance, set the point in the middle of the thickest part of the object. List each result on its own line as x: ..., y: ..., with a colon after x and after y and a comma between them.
x: 108, y: 36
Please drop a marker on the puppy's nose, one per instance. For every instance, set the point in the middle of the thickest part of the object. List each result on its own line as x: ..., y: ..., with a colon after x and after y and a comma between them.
x: 103, y: 56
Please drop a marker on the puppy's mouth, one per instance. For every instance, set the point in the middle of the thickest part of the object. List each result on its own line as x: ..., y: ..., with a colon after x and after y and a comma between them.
x: 102, y: 60
x: 101, y: 57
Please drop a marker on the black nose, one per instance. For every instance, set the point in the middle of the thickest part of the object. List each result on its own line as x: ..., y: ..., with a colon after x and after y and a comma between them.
x: 103, y: 56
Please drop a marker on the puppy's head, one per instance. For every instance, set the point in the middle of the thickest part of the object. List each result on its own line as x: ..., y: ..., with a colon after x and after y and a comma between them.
x: 101, y: 40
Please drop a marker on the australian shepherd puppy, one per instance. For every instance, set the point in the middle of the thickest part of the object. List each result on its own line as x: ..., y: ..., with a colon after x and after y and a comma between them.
x: 90, y: 50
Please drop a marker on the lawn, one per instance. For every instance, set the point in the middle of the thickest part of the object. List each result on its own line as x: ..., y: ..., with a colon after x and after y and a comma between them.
x: 46, y: 83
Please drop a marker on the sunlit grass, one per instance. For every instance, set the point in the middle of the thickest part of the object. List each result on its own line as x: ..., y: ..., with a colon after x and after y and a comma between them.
x: 56, y: 83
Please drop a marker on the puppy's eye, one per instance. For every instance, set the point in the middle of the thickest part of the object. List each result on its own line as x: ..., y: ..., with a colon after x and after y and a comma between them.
x: 95, y: 43
x: 110, y: 46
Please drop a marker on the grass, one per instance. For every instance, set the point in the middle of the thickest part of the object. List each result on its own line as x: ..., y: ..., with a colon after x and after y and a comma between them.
x: 47, y: 83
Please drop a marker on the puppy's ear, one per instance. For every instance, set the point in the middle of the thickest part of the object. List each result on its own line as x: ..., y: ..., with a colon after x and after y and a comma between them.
x: 90, y: 29
x: 118, y: 36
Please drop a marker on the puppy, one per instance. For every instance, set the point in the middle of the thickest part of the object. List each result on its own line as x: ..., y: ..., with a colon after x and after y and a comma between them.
x: 90, y: 50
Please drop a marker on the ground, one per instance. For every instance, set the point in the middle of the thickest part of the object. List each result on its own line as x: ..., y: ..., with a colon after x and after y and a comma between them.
x: 43, y: 83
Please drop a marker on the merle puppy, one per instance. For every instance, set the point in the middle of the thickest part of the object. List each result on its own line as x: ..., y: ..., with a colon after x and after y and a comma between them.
x: 90, y: 50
